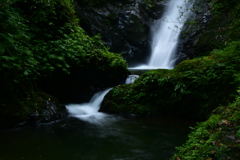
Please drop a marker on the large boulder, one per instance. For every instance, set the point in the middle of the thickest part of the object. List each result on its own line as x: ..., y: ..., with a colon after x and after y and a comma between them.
x: 192, y: 89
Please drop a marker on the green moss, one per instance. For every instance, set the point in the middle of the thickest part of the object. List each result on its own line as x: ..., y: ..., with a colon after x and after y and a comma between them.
x: 37, y: 102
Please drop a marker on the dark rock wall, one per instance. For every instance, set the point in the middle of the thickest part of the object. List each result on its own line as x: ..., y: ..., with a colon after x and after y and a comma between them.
x: 124, y: 26
x: 193, y: 30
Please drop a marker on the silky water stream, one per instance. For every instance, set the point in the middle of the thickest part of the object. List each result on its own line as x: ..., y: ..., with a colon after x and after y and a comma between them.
x: 89, y: 135
x: 165, y: 34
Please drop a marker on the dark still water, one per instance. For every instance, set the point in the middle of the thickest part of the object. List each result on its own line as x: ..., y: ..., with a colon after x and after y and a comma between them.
x: 115, y: 138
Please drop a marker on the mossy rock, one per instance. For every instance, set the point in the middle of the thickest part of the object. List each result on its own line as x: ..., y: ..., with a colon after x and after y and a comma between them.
x: 37, y: 107
x: 114, y: 104
x: 193, y: 88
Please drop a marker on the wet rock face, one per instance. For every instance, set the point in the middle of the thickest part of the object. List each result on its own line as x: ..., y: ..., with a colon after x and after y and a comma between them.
x: 51, y: 113
x: 48, y: 111
x: 193, y: 30
x: 124, y: 26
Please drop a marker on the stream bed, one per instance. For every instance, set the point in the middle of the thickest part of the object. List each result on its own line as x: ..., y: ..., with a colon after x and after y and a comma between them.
x: 114, y: 138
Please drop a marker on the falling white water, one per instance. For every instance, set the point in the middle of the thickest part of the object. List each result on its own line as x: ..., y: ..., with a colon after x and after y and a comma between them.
x: 165, y: 33
x: 89, y: 111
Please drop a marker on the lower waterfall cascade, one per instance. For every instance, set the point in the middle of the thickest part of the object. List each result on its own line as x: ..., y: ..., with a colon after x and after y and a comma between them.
x: 89, y: 111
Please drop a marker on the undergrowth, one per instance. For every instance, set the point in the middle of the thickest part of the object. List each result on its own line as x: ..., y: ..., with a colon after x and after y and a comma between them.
x: 217, y: 138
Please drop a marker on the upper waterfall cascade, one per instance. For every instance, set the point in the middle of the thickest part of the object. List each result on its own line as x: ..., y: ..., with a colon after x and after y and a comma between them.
x: 165, y: 34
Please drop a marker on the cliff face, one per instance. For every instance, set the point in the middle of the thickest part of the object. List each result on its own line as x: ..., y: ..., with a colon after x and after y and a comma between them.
x: 125, y: 27
x: 193, y: 31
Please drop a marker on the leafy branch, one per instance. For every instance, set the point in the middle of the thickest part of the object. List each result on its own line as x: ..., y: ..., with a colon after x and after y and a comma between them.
x: 4, y: 4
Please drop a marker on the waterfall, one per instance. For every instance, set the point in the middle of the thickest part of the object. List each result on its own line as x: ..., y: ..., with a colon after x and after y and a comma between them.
x: 165, y: 35
x: 89, y: 111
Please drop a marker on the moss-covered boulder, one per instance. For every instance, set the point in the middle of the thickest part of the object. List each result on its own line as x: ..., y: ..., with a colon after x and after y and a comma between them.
x: 36, y: 107
x: 194, y: 88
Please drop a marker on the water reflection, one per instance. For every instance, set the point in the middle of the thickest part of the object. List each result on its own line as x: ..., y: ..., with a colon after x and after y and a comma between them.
x: 75, y: 139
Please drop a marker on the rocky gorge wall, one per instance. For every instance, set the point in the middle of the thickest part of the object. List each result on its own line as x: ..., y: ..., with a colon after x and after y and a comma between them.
x: 125, y: 27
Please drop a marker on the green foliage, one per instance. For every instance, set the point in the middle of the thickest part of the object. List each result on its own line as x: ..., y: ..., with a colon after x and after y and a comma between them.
x: 238, y: 133
x: 14, y: 38
x: 216, y: 138
x: 78, y: 49
x: 221, y: 6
